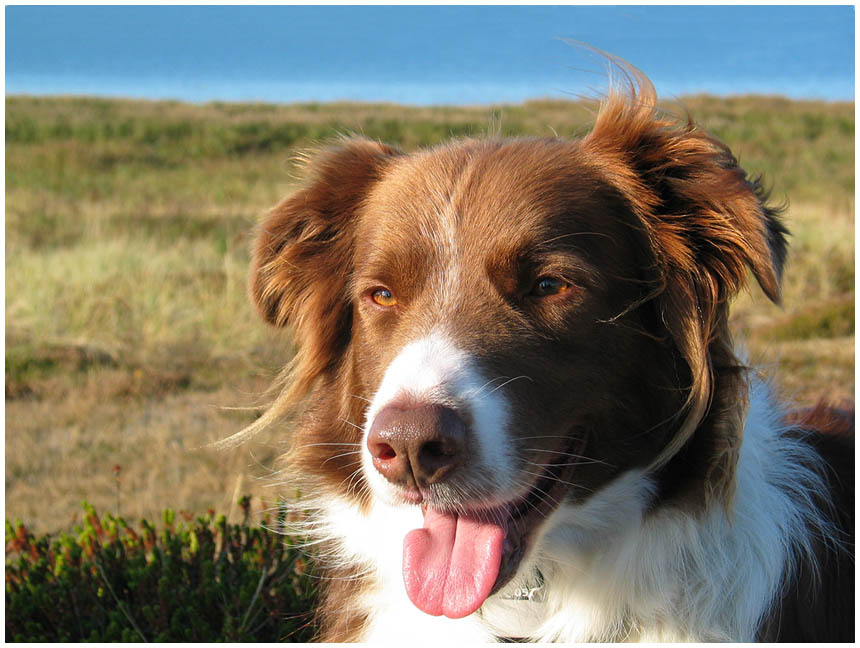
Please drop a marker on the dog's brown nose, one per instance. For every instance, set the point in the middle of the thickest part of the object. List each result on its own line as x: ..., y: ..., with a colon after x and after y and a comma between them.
x: 417, y: 446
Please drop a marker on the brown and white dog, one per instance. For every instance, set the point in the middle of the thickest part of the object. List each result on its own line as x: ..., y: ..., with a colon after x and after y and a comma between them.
x: 523, y: 415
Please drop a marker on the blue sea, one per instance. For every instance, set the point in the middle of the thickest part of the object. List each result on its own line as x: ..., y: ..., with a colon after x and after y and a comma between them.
x: 423, y: 54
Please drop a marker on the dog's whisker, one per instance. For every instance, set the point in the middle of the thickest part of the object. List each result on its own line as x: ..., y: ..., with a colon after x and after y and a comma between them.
x: 507, y: 382
x: 554, y: 479
x: 572, y: 455
x: 479, y: 391
x: 357, y: 427
x: 538, y: 494
x: 332, y: 443
x: 572, y: 234
x: 585, y: 462
x: 350, y: 487
x: 345, y: 454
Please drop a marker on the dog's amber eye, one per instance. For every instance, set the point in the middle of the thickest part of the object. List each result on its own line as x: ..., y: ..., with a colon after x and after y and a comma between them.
x: 546, y: 286
x: 384, y: 298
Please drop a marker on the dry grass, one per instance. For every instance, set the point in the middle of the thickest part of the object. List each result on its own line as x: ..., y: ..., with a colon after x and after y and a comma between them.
x: 128, y: 328
x: 807, y: 343
x: 63, y: 452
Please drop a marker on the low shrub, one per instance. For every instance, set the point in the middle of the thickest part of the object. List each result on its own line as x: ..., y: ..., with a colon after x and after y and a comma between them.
x: 193, y: 580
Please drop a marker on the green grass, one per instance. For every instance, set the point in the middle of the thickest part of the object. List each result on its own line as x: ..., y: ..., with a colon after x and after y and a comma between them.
x: 804, y: 146
x: 128, y: 224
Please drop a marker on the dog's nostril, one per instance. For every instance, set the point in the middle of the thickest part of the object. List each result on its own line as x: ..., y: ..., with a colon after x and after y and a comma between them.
x: 384, y: 452
x: 437, y: 450
x: 437, y: 458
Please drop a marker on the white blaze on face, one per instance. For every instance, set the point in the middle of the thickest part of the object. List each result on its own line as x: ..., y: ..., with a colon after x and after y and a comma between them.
x: 433, y: 370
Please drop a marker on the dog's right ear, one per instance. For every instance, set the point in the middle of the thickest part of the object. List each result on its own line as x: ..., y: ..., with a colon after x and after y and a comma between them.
x: 302, y: 258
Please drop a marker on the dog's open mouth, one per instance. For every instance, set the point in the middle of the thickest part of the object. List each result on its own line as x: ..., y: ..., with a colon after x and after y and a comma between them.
x: 453, y: 563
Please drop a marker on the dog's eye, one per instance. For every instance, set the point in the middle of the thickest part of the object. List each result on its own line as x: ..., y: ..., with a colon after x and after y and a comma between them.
x: 383, y: 297
x: 546, y: 286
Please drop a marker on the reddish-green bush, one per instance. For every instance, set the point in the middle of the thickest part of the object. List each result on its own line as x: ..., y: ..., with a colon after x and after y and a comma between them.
x: 193, y: 580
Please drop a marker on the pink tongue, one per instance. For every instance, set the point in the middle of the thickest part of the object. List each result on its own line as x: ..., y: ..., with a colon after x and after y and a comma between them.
x: 450, y: 565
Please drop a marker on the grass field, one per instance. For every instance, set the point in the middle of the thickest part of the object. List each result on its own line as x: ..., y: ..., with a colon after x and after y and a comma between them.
x: 128, y: 331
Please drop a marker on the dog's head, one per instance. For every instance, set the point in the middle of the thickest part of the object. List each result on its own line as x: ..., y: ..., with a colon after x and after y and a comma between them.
x: 508, y: 325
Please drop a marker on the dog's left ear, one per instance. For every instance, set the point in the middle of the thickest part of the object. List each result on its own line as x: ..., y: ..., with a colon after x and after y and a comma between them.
x: 706, y: 222
x: 705, y: 219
